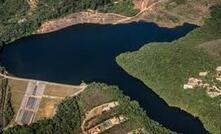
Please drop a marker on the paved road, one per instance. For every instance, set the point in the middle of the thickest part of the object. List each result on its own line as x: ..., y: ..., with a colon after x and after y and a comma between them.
x: 83, y: 85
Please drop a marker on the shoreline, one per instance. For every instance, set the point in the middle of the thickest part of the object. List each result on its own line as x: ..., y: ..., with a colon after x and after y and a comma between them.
x: 79, y: 18
x: 93, y: 17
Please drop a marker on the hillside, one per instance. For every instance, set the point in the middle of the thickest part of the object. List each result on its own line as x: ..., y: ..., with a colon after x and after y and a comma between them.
x: 21, y: 18
x: 99, y: 108
x: 170, y: 13
x: 26, y: 16
x: 185, y: 73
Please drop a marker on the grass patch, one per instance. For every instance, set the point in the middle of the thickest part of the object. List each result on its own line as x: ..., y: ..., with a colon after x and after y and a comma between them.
x: 59, y: 91
x: 18, y: 89
x: 8, y: 111
x: 124, y: 7
x: 47, y: 108
x: 179, y: 2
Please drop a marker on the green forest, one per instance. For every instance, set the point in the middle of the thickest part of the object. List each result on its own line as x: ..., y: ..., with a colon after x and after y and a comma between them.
x: 71, y: 112
x: 19, y: 20
x: 165, y: 67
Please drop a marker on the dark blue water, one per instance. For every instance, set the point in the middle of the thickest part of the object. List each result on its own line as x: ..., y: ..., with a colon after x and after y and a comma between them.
x: 87, y: 53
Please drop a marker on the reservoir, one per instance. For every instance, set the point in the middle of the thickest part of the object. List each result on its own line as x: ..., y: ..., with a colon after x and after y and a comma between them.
x: 87, y: 52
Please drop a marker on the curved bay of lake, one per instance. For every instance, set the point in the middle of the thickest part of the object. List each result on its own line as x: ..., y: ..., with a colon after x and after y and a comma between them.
x: 87, y: 52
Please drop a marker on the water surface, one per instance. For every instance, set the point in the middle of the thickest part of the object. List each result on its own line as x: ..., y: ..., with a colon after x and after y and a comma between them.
x: 87, y: 52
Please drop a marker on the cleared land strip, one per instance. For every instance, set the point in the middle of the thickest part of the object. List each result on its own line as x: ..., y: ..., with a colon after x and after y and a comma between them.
x: 96, y: 111
x: 107, y: 124
x: 4, y: 95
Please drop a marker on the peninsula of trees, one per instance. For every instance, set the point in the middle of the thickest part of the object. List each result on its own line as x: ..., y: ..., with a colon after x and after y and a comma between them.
x: 167, y: 67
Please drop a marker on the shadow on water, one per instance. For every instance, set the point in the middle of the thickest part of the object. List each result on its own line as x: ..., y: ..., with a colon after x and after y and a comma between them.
x: 87, y: 52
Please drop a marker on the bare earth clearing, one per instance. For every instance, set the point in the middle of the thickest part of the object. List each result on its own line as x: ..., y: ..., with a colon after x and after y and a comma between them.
x: 78, y: 18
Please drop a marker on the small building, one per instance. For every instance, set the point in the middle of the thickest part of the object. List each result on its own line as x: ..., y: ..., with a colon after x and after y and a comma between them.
x: 205, y: 85
x: 218, y: 69
x: 203, y: 74
x: 218, y: 78
x: 109, y: 106
x: 107, y: 124
x: 22, y: 21
x: 213, y: 91
x: 186, y: 86
x: 194, y: 81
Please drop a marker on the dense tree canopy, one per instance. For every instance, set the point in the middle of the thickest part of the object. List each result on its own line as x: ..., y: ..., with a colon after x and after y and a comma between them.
x: 172, y: 64
x: 71, y: 112
x: 20, y: 20
x: 67, y: 120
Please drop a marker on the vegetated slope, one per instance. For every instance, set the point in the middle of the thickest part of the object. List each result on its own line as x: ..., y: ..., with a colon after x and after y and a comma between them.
x: 20, y: 18
x: 171, y: 13
x: 166, y: 67
x: 25, y: 16
x: 71, y: 113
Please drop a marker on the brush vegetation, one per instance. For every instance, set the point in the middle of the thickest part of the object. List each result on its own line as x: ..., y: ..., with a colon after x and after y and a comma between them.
x: 71, y: 112
x: 19, y: 18
x: 166, y: 67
